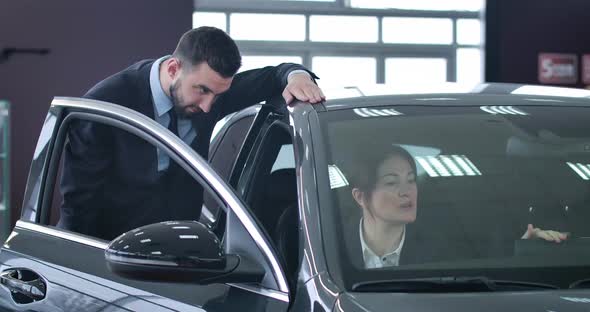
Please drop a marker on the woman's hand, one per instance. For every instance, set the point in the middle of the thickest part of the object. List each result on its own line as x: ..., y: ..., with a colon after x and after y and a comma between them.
x: 548, y: 235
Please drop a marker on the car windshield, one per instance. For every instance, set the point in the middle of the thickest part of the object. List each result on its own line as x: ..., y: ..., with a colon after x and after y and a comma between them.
x: 495, y: 191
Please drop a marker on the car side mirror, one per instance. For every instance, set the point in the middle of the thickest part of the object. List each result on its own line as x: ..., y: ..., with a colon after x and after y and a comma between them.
x: 178, y: 251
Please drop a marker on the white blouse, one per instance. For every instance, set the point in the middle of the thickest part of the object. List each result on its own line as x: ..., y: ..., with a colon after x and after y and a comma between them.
x: 372, y: 260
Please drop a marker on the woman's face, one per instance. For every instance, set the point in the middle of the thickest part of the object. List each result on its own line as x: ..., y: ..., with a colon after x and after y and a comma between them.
x: 394, y: 198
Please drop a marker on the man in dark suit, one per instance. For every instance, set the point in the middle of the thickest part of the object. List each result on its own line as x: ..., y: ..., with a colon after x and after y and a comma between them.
x: 113, y: 181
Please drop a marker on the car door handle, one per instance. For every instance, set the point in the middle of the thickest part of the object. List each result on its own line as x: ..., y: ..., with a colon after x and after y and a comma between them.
x: 25, y: 282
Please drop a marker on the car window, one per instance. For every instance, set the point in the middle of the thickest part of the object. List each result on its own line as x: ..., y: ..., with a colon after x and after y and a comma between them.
x: 272, y: 181
x: 457, y: 188
x: 111, y: 181
x: 224, y: 150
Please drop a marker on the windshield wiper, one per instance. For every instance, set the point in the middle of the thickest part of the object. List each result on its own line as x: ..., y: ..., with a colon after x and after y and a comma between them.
x: 447, y: 284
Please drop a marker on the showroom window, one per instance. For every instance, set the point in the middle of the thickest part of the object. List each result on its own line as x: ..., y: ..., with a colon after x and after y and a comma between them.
x: 257, y: 61
x: 417, y: 30
x: 346, y: 70
x: 260, y: 27
x: 352, y: 42
x: 399, y: 70
x: 329, y: 28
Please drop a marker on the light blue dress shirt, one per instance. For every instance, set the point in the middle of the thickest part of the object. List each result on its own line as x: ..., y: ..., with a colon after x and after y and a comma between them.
x: 162, y: 106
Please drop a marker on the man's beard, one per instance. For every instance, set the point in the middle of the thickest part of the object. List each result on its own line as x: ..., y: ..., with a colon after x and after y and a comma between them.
x: 177, y: 101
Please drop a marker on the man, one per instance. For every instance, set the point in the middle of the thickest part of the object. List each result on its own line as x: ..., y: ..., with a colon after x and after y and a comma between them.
x: 113, y: 181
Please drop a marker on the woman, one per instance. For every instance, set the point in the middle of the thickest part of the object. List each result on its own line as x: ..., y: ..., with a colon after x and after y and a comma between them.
x: 384, y: 187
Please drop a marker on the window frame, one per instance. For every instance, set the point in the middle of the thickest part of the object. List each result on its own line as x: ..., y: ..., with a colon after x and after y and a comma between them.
x: 307, y: 49
x: 59, y: 144
x: 226, y: 125
x: 148, y: 129
x: 262, y: 152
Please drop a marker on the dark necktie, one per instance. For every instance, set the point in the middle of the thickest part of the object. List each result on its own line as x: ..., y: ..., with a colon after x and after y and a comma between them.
x: 173, y: 125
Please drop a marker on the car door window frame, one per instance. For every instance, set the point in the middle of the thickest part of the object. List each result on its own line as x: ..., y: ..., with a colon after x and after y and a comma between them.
x: 258, y: 125
x: 258, y: 128
x: 261, y: 154
x: 270, y: 120
x: 55, y: 158
x: 217, y: 221
x: 271, y: 115
x: 148, y: 129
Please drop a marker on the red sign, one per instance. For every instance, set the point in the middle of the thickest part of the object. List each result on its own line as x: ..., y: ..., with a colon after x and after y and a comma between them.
x: 586, y: 69
x: 557, y: 68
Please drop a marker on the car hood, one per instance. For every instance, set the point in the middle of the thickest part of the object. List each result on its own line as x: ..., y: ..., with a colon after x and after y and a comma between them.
x: 538, y: 301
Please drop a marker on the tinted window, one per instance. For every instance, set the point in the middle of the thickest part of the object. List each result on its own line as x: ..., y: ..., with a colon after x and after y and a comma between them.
x: 222, y: 158
x: 272, y: 187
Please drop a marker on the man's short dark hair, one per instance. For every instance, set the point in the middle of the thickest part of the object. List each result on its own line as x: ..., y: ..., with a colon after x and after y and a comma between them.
x: 211, y: 45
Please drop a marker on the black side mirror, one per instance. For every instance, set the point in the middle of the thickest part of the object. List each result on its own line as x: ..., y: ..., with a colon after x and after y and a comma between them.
x: 177, y: 251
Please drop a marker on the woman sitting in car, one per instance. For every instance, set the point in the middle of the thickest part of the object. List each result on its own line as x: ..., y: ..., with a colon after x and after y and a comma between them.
x: 384, y: 188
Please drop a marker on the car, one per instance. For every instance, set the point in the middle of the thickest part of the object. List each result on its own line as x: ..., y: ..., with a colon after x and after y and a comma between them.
x: 291, y: 213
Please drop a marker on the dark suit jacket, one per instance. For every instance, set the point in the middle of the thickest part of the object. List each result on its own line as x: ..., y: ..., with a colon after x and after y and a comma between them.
x: 419, y: 247
x: 110, y: 182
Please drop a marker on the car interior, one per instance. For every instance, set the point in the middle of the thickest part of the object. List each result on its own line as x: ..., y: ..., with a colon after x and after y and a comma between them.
x: 272, y: 194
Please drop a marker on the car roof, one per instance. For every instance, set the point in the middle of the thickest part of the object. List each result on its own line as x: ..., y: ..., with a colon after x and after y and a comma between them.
x: 455, y: 94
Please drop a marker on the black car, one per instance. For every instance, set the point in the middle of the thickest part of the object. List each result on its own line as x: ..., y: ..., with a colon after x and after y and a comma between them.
x: 303, y: 212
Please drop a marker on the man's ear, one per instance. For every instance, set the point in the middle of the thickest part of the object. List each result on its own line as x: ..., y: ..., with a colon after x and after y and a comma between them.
x: 359, y: 197
x: 173, y: 67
